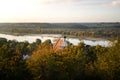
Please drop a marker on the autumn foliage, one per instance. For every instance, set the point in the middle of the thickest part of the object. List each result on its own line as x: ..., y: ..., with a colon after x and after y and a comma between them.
x: 70, y: 63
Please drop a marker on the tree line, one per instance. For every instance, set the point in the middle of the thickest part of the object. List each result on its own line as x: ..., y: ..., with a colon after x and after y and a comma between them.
x: 99, y: 30
x: 71, y: 63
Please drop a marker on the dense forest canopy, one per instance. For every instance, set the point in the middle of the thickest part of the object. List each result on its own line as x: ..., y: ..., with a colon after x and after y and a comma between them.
x: 71, y: 63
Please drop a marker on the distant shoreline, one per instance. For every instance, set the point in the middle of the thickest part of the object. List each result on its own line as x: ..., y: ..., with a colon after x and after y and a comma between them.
x: 100, y: 30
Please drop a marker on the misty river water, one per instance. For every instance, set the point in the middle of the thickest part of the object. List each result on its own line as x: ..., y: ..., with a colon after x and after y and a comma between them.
x: 32, y: 38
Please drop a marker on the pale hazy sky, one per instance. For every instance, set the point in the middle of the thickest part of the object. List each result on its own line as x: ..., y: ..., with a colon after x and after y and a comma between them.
x: 59, y: 10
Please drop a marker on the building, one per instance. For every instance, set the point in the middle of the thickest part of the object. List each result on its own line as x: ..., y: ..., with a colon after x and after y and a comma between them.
x: 60, y: 44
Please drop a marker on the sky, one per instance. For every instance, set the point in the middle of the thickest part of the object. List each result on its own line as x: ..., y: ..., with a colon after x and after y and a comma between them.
x: 59, y: 11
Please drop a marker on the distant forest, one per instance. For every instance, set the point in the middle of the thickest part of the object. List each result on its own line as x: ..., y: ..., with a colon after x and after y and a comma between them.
x: 98, y: 30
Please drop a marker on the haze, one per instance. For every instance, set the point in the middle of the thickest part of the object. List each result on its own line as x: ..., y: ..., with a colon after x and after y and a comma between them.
x: 59, y: 11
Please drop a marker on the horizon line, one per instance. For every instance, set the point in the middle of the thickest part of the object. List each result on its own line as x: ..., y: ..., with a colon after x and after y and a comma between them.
x: 65, y: 22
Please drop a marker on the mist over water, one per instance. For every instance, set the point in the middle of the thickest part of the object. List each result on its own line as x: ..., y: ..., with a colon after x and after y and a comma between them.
x: 32, y: 38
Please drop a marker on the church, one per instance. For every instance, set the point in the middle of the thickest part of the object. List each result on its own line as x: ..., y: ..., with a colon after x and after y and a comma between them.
x: 60, y: 44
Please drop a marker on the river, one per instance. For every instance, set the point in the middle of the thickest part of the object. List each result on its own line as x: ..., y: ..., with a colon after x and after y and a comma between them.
x: 32, y: 38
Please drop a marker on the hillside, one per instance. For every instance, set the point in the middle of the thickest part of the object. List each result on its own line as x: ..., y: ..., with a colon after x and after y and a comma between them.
x: 105, y: 30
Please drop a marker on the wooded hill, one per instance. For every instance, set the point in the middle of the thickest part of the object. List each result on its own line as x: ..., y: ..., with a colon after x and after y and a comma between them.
x: 105, y: 30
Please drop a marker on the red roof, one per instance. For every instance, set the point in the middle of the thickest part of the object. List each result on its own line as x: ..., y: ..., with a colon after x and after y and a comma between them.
x: 58, y: 44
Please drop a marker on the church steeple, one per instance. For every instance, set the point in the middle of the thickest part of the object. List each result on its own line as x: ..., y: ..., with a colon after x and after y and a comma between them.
x: 64, y: 38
